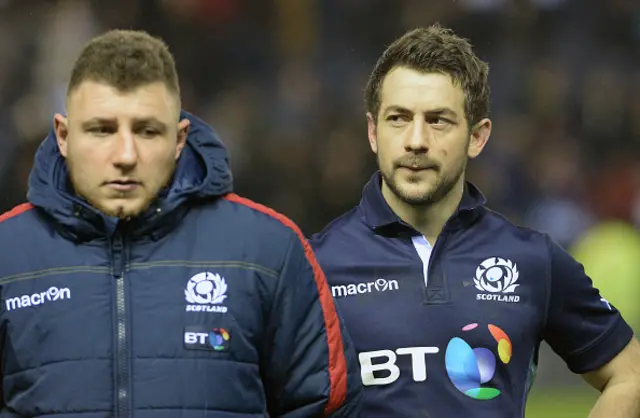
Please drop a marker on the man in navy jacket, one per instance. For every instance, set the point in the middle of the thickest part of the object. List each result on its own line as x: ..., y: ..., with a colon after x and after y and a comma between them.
x: 135, y: 284
x: 447, y: 302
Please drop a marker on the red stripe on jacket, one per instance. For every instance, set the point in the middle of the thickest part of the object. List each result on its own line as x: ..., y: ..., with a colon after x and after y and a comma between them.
x: 8, y: 215
x: 16, y: 211
x: 337, y: 360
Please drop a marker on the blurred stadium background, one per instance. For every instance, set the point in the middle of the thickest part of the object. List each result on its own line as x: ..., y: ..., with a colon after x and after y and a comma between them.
x: 282, y: 81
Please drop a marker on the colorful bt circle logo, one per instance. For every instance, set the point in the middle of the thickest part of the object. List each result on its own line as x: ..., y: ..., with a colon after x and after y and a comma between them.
x: 219, y: 339
x: 469, y: 368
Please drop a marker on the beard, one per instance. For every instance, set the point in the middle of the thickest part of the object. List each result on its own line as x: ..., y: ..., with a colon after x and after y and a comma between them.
x: 123, y: 213
x: 441, y: 188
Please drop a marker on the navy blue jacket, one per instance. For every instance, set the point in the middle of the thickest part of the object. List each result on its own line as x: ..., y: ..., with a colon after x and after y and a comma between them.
x: 454, y: 330
x: 208, y: 305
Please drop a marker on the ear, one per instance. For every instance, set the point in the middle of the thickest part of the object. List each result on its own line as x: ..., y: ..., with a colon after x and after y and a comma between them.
x: 371, y: 133
x: 61, y: 128
x: 183, y: 132
x: 479, y: 137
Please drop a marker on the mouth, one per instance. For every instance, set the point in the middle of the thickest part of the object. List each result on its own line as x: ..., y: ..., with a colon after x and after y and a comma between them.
x: 123, y: 185
x: 418, y: 168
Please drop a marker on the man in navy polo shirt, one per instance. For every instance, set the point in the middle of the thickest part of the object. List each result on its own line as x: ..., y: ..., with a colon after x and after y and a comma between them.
x: 447, y: 302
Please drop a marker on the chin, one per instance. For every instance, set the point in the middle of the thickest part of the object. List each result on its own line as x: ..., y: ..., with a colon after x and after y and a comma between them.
x: 417, y: 189
x: 416, y: 197
x: 420, y: 192
x: 123, y: 211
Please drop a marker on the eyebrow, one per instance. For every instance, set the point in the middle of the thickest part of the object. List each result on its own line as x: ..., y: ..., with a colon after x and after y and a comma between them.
x: 150, y: 121
x: 136, y: 122
x: 97, y: 121
x: 434, y: 112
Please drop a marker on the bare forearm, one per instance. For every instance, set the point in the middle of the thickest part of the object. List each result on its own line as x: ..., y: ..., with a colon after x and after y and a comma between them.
x: 618, y: 401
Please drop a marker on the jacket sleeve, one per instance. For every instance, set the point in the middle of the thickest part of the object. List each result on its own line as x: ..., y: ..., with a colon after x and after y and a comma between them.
x: 311, y: 365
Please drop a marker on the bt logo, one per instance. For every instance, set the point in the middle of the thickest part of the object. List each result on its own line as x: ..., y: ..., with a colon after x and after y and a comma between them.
x: 469, y: 368
x: 198, y: 338
x: 418, y: 364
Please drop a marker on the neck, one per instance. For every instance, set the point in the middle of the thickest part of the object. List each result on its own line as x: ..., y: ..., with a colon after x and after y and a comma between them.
x: 427, y: 219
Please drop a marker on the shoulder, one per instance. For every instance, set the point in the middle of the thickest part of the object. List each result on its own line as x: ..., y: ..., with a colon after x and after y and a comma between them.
x: 258, y: 213
x: 342, y: 230
x: 257, y: 217
x: 345, y: 241
x: 23, y: 233
x: 533, y: 250
x: 17, y: 219
x: 494, y: 225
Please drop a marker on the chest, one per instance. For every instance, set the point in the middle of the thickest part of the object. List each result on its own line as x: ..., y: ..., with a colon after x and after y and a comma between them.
x: 176, y: 299
x: 403, y: 304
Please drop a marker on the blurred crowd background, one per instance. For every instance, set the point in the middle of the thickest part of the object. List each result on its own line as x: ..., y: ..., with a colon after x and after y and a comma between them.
x: 282, y: 82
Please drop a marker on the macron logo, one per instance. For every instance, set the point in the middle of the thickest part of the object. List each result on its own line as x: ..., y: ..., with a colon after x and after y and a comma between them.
x: 380, y: 285
x: 36, y: 299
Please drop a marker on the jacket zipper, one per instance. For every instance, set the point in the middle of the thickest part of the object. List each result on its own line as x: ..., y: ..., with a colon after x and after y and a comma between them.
x: 122, y: 354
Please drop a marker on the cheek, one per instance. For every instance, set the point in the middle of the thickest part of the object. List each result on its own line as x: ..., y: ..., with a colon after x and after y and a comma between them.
x: 86, y: 151
x: 387, y: 147
x: 161, y: 164
x: 385, y: 156
x: 453, y: 149
x: 82, y: 160
x: 453, y: 160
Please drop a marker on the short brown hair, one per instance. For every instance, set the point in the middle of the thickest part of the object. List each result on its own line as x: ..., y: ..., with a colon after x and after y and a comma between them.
x: 126, y: 60
x: 435, y: 49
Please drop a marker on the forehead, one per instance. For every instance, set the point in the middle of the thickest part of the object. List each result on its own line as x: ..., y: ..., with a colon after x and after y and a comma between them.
x: 95, y: 99
x: 420, y: 91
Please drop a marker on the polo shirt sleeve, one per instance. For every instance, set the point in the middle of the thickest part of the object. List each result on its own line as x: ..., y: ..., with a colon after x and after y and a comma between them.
x: 582, y: 327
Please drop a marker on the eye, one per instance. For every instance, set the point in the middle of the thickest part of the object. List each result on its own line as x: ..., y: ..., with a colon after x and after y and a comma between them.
x: 148, y: 132
x: 438, y: 121
x: 100, y: 130
x: 397, y: 119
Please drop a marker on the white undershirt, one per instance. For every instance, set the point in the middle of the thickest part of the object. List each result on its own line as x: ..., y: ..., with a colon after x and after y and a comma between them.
x: 424, y: 249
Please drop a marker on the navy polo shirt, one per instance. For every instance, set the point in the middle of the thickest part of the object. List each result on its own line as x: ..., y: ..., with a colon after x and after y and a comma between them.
x: 454, y: 330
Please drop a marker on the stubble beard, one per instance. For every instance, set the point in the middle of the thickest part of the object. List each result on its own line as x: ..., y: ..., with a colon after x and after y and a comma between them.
x: 441, y: 189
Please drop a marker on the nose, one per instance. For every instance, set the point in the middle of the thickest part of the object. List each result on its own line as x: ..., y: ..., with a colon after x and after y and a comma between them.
x: 125, y: 153
x: 418, y: 136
